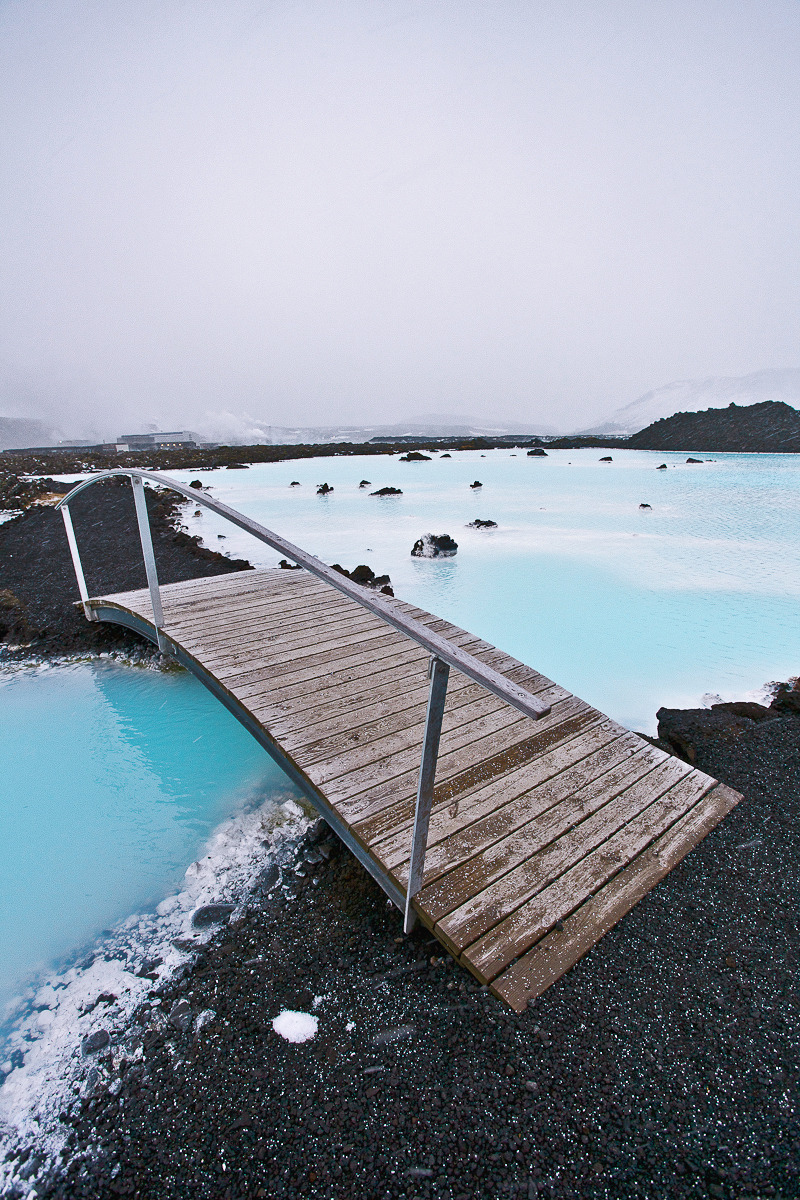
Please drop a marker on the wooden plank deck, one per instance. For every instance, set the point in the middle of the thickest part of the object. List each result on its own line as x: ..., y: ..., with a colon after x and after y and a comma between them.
x: 543, y: 833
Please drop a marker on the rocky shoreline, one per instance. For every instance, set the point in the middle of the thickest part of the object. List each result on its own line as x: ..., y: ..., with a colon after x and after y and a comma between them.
x: 664, y: 1064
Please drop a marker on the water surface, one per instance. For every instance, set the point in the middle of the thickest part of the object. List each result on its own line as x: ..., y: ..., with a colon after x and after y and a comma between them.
x: 629, y: 607
x: 112, y: 779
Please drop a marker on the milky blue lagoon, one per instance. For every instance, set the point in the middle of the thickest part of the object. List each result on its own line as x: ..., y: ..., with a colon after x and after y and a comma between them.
x: 114, y: 776
x: 112, y: 779
x: 629, y: 608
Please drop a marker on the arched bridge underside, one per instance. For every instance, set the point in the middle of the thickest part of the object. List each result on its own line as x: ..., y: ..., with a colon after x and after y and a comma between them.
x: 543, y: 832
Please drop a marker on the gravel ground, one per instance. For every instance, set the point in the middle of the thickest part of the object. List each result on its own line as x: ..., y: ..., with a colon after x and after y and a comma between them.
x: 664, y: 1064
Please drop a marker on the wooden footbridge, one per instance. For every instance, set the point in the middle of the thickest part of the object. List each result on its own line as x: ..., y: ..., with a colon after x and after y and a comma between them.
x: 517, y: 822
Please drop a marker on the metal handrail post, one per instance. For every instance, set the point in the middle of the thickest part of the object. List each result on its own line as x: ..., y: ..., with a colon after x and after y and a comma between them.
x: 76, y: 562
x: 149, y: 559
x: 439, y: 673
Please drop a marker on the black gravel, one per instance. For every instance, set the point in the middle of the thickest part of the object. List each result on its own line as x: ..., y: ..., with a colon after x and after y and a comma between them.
x: 37, y: 581
x: 664, y: 1064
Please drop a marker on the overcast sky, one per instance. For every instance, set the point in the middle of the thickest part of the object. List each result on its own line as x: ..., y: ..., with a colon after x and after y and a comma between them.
x: 315, y: 212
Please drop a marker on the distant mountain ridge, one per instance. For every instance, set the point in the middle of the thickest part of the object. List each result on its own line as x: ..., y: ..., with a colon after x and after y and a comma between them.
x: 771, y: 427
x: 695, y: 395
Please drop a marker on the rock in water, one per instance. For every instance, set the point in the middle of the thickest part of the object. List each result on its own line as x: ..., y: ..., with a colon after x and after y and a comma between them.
x: 663, y: 467
x: 645, y: 506
x: 362, y: 574
x: 479, y: 524
x: 387, y: 491
x: 476, y: 484
x: 537, y: 452
x: 323, y: 489
x: 434, y: 545
x: 415, y: 456
x: 364, y: 483
x: 694, y: 460
x: 607, y: 458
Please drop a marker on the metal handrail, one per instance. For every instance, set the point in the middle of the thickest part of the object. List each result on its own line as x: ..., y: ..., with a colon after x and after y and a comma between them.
x: 442, y: 651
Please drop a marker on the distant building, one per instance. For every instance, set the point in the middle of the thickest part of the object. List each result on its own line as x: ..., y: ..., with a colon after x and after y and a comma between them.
x: 180, y: 440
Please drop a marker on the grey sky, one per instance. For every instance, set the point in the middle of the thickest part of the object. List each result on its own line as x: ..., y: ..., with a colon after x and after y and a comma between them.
x: 317, y: 212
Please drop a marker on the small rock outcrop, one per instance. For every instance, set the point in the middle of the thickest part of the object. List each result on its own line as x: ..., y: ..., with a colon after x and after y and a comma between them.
x: 415, y: 456
x: 694, y: 460
x: 476, y: 484
x: 195, y: 483
x: 663, y: 467
x: 445, y: 456
x: 211, y: 914
x: 434, y: 545
x: 387, y: 491
x: 479, y: 524
x: 606, y: 458
x: 537, y: 452
x: 364, y: 483
x: 367, y: 578
x: 95, y: 1041
x: 295, y: 483
x: 323, y: 489
x: 287, y: 566
x: 645, y: 506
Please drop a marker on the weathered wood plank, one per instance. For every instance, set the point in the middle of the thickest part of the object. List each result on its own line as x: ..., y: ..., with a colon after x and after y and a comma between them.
x: 495, y: 813
x: 389, y: 832
x: 559, y: 950
x: 528, y: 923
x: 490, y: 905
x: 268, y: 644
x: 466, y: 762
x: 549, y: 825
x: 355, y: 651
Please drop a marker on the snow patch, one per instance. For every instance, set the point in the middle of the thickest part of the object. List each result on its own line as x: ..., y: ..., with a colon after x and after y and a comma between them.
x: 295, y: 1026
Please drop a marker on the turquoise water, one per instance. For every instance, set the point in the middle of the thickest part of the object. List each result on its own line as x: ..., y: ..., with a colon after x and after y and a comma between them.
x: 112, y: 779
x: 630, y: 608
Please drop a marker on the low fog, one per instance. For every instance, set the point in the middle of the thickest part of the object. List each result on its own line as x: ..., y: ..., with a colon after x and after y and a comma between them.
x: 311, y: 213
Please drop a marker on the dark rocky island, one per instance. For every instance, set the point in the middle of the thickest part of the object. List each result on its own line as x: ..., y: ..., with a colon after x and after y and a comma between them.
x: 434, y: 545
x: 768, y: 428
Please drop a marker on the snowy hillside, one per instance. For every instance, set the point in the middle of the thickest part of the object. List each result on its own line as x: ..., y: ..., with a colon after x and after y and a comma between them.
x: 695, y: 395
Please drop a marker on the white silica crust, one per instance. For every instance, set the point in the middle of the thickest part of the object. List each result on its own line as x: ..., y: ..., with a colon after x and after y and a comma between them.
x: 295, y: 1026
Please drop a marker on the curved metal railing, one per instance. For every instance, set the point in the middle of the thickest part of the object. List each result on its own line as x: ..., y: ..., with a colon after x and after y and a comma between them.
x: 444, y: 654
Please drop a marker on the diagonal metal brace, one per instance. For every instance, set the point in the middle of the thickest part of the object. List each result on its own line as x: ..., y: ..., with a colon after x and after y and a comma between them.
x: 439, y: 673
